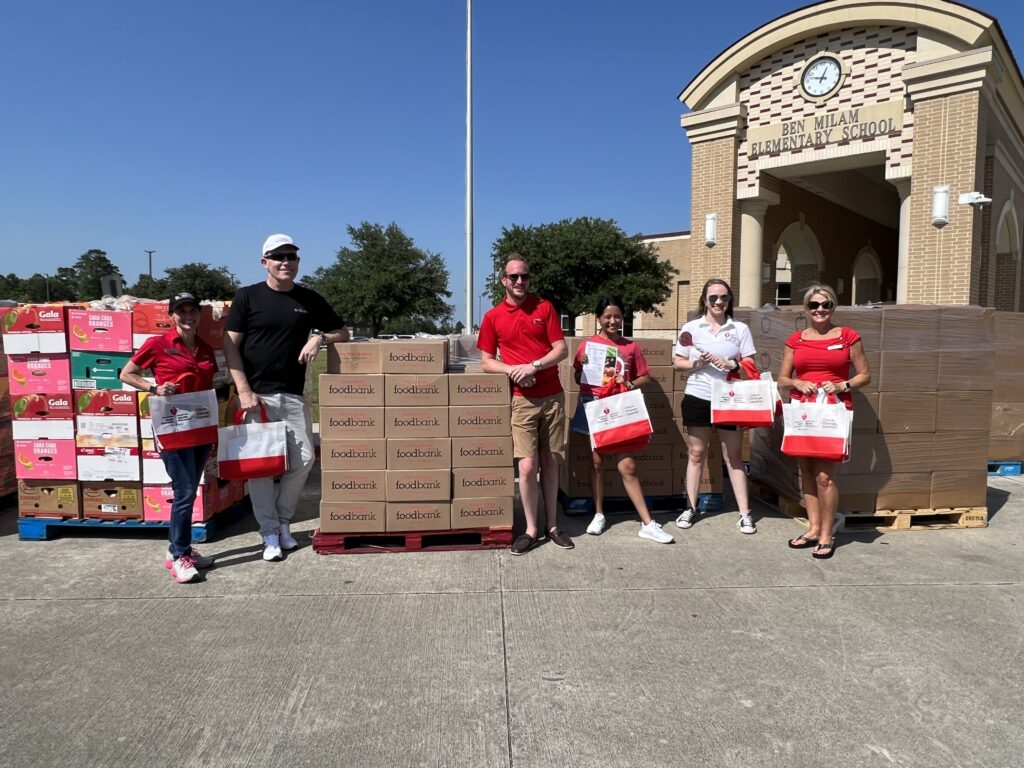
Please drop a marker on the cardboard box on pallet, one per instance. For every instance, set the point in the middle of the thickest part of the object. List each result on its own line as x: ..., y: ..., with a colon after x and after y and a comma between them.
x: 480, y: 420
x: 157, y: 501
x: 481, y: 512
x: 478, y: 389
x: 413, y: 421
x: 1006, y: 435
x: 99, y: 330
x: 109, y: 463
x: 662, y: 378
x: 905, y: 412
x: 418, y: 389
x: 351, y: 389
x: 34, y: 328
x: 353, y: 485
x: 364, y: 357
x: 487, y: 451
x: 657, y: 352
x: 112, y: 501
x: 43, y: 498
x: 419, y: 453
x: 908, y: 371
x: 352, y: 517
x: 43, y: 407
x: 418, y: 485
x: 951, y: 488
x: 92, y: 370
x: 351, y: 423
x: 469, y: 482
x: 45, y: 459
x: 418, y: 516
x: 355, y: 453
x: 150, y: 318
x: 660, y: 483
x: 213, y: 328
x: 659, y: 403
x: 39, y: 374
x: 962, y: 411
x: 419, y: 356
x: 42, y: 429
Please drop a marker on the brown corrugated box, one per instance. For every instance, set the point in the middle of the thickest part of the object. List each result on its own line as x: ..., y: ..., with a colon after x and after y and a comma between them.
x: 679, y: 378
x: 487, y: 512
x: 886, y: 491
x: 486, y: 451
x: 651, y: 483
x: 364, y: 357
x: 419, y: 453
x: 867, y: 321
x: 865, y: 412
x: 961, y: 451
x: 902, y: 371
x: 959, y: 489
x: 963, y: 411
x: 418, y: 516
x: 478, y: 389
x: 968, y: 327
x: 349, y: 423
x: 566, y: 375
x: 904, y: 412
x: 480, y: 420
x: 418, y: 485
x: 412, y: 421
x: 966, y: 369
x: 419, y: 389
x: 656, y: 351
x: 352, y: 517
x: 357, y: 453
x: 351, y: 389
x: 418, y: 356
x: 49, y: 498
x: 909, y: 328
x: 1006, y: 439
x: 662, y: 377
x: 471, y: 482
x: 353, y: 485
x: 657, y: 400
x: 666, y: 431
x: 110, y: 501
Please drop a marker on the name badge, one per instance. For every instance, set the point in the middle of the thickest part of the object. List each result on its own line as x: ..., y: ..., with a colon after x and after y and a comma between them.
x: 835, y: 346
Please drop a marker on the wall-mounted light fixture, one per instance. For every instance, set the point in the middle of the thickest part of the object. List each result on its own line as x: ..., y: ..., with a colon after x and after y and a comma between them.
x: 940, y: 206
x: 710, y: 229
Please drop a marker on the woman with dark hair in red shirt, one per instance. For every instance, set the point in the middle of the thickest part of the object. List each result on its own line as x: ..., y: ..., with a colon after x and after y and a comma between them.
x: 181, y: 362
x: 819, y: 357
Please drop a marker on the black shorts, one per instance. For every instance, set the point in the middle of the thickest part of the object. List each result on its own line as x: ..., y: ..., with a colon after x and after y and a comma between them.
x: 697, y: 413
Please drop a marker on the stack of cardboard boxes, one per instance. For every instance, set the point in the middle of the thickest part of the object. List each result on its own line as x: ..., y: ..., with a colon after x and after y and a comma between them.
x: 79, y: 433
x: 661, y: 467
x: 1006, y: 437
x: 407, y: 445
x: 8, y: 481
x: 920, y: 431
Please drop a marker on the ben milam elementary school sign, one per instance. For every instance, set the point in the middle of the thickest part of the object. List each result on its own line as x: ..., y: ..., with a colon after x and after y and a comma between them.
x: 877, y: 147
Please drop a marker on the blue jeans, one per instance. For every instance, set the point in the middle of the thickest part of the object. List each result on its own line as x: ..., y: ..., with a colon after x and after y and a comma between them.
x: 184, y: 466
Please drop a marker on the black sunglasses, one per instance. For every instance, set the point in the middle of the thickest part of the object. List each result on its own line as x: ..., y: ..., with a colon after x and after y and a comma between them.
x: 281, y: 256
x: 723, y: 298
x: 524, y: 276
x: 827, y: 304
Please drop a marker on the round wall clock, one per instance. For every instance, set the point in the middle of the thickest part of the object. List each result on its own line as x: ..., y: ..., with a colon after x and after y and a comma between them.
x: 821, y: 77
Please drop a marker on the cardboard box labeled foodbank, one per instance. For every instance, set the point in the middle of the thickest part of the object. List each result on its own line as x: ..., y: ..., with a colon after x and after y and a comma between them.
x: 100, y: 330
x: 108, y: 463
x: 419, y: 453
x: 480, y: 420
x: 45, y: 460
x: 349, y: 389
x: 484, y: 451
x: 34, y: 328
x: 354, y: 453
x: 351, y: 423
x: 111, y: 501
x: 483, y: 512
x: 657, y: 351
x: 419, y: 389
x: 418, y: 485
x: 39, y: 374
x: 97, y: 370
x: 418, y: 516
x: 411, y: 421
x: 363, y: 357
x: 352, y: 517
x: 353, y: 485
x: 470, y: 482
x: 478, y: 389
x: 414, y: 356
x: 40, y: 498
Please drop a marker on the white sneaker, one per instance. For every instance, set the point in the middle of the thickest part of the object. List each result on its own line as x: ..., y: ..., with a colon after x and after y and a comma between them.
x: 198, y: 560
x: 746, y: 524
x: 655, y: 532
x: 596, y: 527
x: 686, y: 519
x: 288, y: 541
x: 272, y: 548
x: 184, y: 570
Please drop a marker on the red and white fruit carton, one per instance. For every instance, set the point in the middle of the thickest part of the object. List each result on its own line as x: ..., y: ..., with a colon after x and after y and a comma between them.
x: 43, y: 429
x: 106, y: 418
x: 42, y: 407
x: 210, y: 329
x: 100, y: 330
x: 45, y: 459
x: 106, y: 402
x: 157, y: 501
x: 150, y: 318
x: 108, y: 463
x: 39, y: 374
x: 34, y: 328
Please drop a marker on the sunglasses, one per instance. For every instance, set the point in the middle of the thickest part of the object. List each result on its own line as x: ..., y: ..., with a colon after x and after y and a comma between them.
x: 523, y: 276
x: 721, y: 298
x: 281, y: 256
x: 827, y: 304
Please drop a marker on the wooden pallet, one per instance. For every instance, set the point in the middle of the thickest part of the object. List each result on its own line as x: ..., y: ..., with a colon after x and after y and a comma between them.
x: 412, y: 541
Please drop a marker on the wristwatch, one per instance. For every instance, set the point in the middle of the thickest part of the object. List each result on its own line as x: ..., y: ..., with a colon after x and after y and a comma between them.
x: 323, y: 339
x: 847, y: 386
x: 152, y: 389
x: 536, y: 365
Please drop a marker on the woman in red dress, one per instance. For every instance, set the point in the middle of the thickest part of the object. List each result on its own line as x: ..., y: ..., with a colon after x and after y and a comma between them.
x: 819, y: 357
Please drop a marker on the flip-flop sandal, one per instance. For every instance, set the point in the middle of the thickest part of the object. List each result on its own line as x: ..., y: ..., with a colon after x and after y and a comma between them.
x: 802, y: 542
x: 824, y: 551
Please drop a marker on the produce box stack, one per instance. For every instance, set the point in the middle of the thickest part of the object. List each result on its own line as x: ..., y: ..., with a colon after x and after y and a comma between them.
x: 8, y: 481
x: 920, y: 431
x: 406, y: 446
x: 1006, y: 436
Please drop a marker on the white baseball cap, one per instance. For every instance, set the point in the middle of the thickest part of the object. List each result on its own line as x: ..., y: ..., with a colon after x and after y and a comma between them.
x: 276, y: 241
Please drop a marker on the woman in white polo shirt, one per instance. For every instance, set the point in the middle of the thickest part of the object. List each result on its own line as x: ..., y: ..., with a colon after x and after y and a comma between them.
x: 709, y: 348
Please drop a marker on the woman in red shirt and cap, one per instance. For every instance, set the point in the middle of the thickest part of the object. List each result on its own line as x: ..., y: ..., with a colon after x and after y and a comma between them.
x: 181, y: 362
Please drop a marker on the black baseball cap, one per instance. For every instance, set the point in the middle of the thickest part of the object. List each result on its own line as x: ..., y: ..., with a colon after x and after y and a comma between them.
x: 179, y: 299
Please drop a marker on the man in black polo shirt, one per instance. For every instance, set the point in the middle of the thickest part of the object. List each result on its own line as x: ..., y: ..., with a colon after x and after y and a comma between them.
x: 270, y: 339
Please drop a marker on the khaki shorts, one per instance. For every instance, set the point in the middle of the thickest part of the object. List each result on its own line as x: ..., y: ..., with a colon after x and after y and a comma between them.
x: 538, y: 424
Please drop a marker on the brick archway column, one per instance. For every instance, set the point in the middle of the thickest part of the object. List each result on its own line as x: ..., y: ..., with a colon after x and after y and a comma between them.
x: 752, y: 248
x: 903, y: 265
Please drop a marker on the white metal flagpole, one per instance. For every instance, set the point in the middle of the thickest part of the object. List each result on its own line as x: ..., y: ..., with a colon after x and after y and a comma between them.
x: 469, y: 166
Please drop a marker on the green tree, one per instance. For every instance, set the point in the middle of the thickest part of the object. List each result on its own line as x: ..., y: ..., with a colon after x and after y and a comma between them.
x: 10, y: 287
x: 145, y: 288
x: 385, y: 275
x: 574, y: 262
x: 90, y: 268
x: 64, y: 284
x: 201, y: 280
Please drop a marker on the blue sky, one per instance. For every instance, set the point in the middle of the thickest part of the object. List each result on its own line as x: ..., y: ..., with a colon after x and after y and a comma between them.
x: 198, y: 127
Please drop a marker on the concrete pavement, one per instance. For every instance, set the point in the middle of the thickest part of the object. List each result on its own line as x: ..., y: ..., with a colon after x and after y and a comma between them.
x: 905, y: 649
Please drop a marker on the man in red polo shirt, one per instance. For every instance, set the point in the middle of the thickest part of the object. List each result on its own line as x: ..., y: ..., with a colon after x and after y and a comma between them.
x: 526, y: 329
